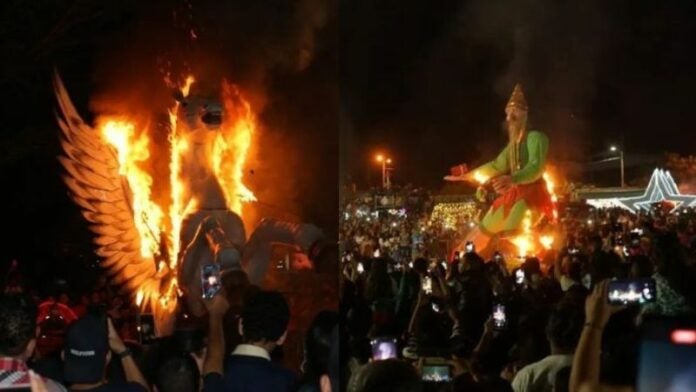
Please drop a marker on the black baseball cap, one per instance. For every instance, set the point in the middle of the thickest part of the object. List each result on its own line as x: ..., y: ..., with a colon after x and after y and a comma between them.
x: 86, y: 346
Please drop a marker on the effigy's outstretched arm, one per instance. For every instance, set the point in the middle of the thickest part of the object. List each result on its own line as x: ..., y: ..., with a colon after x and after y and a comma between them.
x: 495, y: 167
x: 257, y: 252
x: 537, y: 147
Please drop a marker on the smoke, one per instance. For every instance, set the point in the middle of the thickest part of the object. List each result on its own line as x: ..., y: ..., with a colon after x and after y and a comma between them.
x: 261, y: 46
x: 553, y: 49
x: 449, y: 89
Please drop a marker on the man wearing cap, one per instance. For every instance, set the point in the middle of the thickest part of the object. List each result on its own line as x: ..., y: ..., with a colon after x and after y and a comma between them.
x: 516, y: 175
x: 89, y: 344
x: 17, y: 343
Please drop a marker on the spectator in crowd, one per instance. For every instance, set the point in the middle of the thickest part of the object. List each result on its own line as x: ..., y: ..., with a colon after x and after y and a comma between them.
x: 178, y: 373
x: 386, y: 376
x: 263, y: 327
x: 562, y: 331
x: 317, y: 351
x: 17, y: 343
x: 90, y: 344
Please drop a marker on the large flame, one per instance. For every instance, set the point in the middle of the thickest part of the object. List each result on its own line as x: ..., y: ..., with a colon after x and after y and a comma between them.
x: 231, y: 148
x: 179, y: 146
x: 550, y: 186
x: 158, y: 223
x: 132, y: 151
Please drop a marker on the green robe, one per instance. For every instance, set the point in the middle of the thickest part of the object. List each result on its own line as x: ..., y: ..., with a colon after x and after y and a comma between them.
x: 524, y: 162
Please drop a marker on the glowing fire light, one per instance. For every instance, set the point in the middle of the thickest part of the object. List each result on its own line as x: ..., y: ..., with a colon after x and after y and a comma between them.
x: 139, y: 298
x: 229, y: 155
x: 546, y: 241
x: 179, y: 146
x: 132, y: 150
x: 550, y: 186
x: 524, y: 242
x: 480, y: 177
x: 231, y: 148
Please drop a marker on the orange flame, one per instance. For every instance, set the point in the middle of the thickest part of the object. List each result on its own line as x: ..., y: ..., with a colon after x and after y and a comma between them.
x: 480, y: 177
x: 229, y: 155
x: 179, y: 146
x: 231, y: 148
x: 546, y: 241
x: 524, y: 241
x: 132, y: 151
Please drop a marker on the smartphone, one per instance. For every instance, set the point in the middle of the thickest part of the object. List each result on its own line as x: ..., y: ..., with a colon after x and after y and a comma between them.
x: 210, y: 280
x: 499, y: 316
x: 436, y: 373
x: 146, y: 328
x: 632, y: 291
x: 361, y: 268
x: 519, y: 276
x: 667, y: 355
x: 573, y: 250
x: 469, y: 247
x: 376, y: 253
x: 444, y: 265
x: 384, y: 348
x: 282, y: 265
x: 427, y: 285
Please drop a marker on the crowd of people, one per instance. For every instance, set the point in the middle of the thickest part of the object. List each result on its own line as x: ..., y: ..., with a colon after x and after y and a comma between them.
x: 373, y: 225
x: 98, y: 342
x: 469, y: 323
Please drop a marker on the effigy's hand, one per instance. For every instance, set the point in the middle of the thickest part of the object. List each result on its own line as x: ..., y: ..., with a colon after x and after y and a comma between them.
x: 502, y: 184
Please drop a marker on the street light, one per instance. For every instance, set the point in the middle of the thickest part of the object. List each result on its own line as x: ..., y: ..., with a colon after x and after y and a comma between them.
x: 621, y: 158
x: 386, y: 181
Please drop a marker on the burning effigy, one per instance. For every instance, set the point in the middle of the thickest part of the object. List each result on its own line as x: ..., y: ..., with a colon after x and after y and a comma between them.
x: 517, y: 176
x: 155, y: 248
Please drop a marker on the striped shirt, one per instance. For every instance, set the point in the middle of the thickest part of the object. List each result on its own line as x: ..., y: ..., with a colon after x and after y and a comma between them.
x: 15, y: 374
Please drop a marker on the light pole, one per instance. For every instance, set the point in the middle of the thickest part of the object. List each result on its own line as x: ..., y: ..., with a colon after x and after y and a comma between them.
x: 386, y: 181
x: 621, y: 158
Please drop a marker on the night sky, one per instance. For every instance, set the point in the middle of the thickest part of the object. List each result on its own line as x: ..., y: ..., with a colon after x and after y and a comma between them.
x: 427, y: 81
x: 283, y: 53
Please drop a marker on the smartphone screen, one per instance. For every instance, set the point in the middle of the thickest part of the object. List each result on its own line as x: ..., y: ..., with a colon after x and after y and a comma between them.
x: 146, y: 328
x: 210, y: 280
x: 383, y: 348
x: 427, y: 285
x: 499, y: 317
x: 519, y: 276
x: 436, y: 373
x: 361, y: 268
x: 667, y: 356
x: 632, y: 291
x: 469, y: 247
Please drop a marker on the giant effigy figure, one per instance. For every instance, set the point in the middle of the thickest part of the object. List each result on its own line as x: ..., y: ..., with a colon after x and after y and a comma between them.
x: 516, y: 175
x: 156, y: 253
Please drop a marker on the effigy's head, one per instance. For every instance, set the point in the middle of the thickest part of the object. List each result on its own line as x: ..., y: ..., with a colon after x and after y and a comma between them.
x: 200, y: 111
x: 516, y: 113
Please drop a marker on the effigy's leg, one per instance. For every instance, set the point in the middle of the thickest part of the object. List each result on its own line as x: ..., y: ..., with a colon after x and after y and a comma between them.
x: 498, y: 222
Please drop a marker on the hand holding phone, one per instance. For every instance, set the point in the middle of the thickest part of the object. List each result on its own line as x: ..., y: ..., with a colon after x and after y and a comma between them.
x: 667, y: 352
x: 384, y: 348
x: 210, y: 280
x: 499, y: 317
x: 469, y: 247
x: 146, y: 328
x: 631, y: 291
x: 519, y: 276
x: 436, y: 372
x: 427, y: 285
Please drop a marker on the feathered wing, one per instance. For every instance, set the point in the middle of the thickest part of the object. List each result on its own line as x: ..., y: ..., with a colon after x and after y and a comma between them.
x: 92, y: 175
